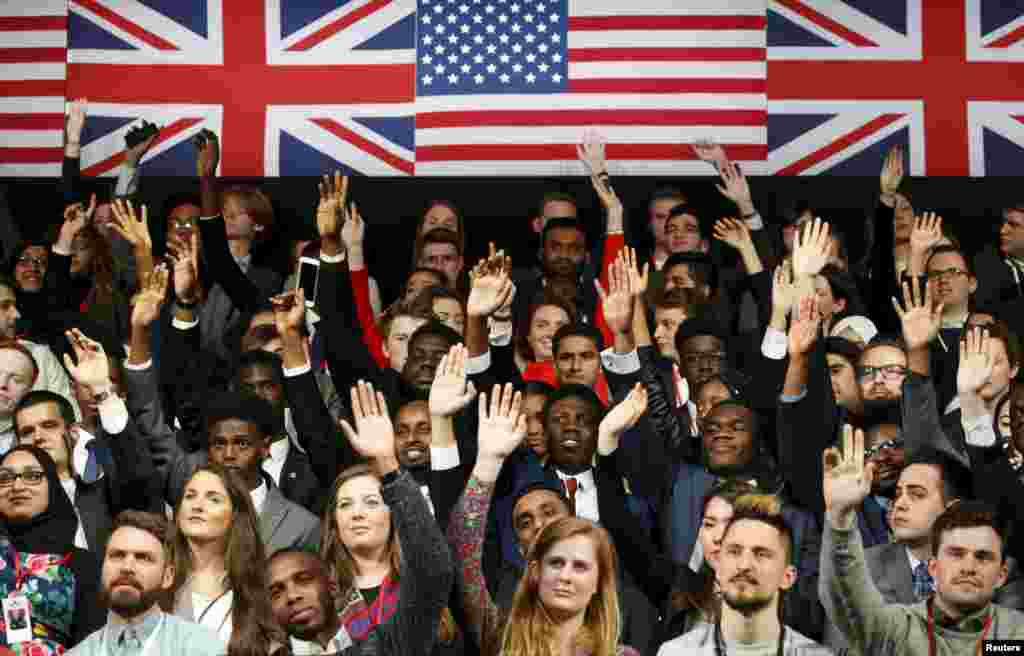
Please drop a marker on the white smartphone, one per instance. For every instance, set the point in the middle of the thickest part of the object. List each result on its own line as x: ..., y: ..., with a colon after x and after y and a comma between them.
x: 309, y: 278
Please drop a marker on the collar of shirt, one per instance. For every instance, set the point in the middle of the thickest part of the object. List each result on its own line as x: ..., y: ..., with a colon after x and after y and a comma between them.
x: 914, y: 562
x: 585, y: 479
x: 244, y: 262
x: 259, y: 496
x: 143, y: 626
x: 338, y: 643
x: 955, y: 323
x: 279, y: 450
x: 884, y: 502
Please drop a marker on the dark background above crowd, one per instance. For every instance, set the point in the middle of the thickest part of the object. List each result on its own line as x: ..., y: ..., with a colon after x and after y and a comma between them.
x: 498, y: 210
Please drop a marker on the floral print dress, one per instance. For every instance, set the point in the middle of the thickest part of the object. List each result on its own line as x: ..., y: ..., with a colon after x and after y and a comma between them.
x: 49, y: 584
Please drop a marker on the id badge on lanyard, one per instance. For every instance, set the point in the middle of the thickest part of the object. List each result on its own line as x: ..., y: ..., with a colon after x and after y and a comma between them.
x: 17, y: 607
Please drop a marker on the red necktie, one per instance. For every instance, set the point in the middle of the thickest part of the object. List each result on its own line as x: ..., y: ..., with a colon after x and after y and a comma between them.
x: 571, y: 485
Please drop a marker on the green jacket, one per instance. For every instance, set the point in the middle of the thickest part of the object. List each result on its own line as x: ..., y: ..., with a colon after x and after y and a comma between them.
x: 874, y: 627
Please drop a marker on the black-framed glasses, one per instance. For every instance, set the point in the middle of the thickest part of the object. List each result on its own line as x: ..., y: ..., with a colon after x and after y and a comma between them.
x: 31, y: 477
x: 888, y: 371
x: 945, y: 273
x: 896, y: 443
x: 27, y: 261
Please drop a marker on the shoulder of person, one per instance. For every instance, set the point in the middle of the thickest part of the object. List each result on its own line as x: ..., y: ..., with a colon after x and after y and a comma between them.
x: 701, y: 634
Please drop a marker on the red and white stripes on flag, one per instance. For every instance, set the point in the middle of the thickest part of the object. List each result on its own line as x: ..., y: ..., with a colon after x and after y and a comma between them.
x: 650, y: 75
x: 33, y: 54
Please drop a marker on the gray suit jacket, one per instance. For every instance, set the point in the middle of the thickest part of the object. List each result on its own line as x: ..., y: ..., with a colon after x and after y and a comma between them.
x: 285, y: 524
x: 889, y: 568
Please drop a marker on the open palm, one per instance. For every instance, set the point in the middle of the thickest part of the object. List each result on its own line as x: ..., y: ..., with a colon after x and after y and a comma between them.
x: 450, y: 393
x: 847, y: 480
x: 921, y: 320
x: 502, y: 424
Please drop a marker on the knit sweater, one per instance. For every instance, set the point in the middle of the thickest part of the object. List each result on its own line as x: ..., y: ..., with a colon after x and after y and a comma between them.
x: 701, y: 640
x: 873, y: 627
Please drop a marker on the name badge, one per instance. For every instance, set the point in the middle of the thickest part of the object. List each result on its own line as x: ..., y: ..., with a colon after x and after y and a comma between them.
x: 18, y: 619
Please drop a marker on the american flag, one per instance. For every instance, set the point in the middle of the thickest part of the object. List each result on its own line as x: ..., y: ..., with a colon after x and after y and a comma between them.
x: 506, y: 87
x: 33, y: 47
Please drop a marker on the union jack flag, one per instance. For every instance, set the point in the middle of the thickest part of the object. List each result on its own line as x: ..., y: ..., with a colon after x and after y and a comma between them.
x: 292, y: 88
x: 299, y: 87
x: 848, y: 80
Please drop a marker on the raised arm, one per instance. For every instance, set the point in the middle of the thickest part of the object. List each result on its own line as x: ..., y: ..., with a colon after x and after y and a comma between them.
x: 427, y: 569
x: 502, y: 429
x: 856, y: 606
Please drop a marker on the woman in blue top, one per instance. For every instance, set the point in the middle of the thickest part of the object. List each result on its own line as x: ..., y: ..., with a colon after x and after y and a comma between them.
x: 38, y: 559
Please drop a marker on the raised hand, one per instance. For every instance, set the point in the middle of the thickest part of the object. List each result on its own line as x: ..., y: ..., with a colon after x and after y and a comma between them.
x: 783, y: 290
x: 93, y: 369
x: 491, y: 285
x: 976, y: 362
x: 810, y: 252
x: 892, y: 172
x: 712, y: 153
x: 921, y: 319
x: 617, y: 302
x: 591, y: 153
x: 208, y: 154
x: 638, y: 278
x: 77, y: 110
x: 804, y: 327
x: 502, y: 425
x: 735, y: 187
x: 185, y: 254
x: 733, y: 232
x: 148, y: 302
x: 373, y: 436
x: 329, y: 211
x: 926, y: 234
x: 289, y: 311
x: 847, y: 480
x: 450, y: 392
x: 76, y: 217
x: 621, y: 418
x: 133, y: 228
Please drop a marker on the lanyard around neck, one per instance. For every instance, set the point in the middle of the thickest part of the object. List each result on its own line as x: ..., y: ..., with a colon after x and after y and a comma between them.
x: 932, y: 649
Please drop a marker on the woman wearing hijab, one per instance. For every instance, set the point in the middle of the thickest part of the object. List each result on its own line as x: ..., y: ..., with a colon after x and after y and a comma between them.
x: 39, y: 562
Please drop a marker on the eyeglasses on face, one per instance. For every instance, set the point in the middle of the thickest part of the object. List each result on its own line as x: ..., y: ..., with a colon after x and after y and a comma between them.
x: 31, y: 477
x: 945, y: 273
x: 896, y: 443
x: 888, y: 371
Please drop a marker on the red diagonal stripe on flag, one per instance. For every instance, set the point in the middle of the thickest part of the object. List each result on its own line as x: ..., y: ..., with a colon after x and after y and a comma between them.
x: 179, y: 126
x: 1008, y: 40
x: 329, y: 30
x: 839, y: 144
x: 131, y: 28
x: 823, y: 21
x: 677, y: 117
x: 362, y: 143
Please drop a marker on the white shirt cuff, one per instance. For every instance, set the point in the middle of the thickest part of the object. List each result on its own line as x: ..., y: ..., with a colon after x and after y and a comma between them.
x: 333, y: 259
x: 138, y: 367
x: 58, y: 251
x: 754, y: 222
x: 443, y: 458
x: 184, y: 325
x: 500, y: 332
x: 620, y: 363
x: 113, y: 415
x: 127, y: 181
x: 775, y: 344
x: 209, y: 218
x: 478, y: 364
x: 297, y: 371
x: 978, y: 431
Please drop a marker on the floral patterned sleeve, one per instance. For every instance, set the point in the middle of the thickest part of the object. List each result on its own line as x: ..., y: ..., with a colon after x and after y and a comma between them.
x: 466, y: 529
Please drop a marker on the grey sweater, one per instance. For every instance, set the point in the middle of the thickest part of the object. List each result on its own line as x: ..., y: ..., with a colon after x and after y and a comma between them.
x: 427, y: 573
x: 874, y: 627
x: 701, y: 640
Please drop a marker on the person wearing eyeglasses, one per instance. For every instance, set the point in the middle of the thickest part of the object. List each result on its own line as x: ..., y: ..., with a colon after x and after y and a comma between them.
x: 43, y: 571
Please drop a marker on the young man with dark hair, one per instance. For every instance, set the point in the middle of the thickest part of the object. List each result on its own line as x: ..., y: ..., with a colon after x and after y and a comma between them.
x: 755, y: 571
x: 302, y: 597
x: 439, y: 249
x: 138, y: 572
x: 968, y: 564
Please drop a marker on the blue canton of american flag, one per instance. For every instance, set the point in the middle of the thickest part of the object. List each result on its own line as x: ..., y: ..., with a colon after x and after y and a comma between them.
x: 503, y: 46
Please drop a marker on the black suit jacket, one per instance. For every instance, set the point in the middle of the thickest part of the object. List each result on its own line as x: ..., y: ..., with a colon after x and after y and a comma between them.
x: 299, y: 483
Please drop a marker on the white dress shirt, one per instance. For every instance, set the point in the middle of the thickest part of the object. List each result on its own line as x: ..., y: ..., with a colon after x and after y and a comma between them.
x: 586, y: 494
x: 259, y: 496
x: 274, y: 464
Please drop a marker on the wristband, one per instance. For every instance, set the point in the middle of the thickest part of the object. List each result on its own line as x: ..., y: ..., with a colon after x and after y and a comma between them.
x: 186, y: 306
x: 504, y: 317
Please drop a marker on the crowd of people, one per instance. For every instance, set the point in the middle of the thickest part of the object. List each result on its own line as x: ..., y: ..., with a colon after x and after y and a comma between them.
x: 742, y: 442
